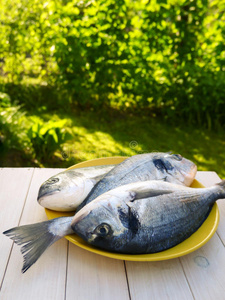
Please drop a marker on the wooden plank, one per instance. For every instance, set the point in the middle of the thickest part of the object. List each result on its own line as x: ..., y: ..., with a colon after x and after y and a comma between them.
x: 205, y: 270
x: 46, y: 278
x: 157, y: 280
x: 205, y: 267
x: 14, y: 184
x: 91, y: 276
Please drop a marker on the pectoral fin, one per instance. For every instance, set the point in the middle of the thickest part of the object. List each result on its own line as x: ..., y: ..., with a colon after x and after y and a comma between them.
x: 143, y: 194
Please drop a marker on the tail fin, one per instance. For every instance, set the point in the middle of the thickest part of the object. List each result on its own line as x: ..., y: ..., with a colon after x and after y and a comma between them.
x: 222, y: 188
x: 36, y: 238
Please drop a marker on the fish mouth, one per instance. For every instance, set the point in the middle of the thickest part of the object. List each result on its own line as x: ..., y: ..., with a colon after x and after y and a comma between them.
x: 43, y: 194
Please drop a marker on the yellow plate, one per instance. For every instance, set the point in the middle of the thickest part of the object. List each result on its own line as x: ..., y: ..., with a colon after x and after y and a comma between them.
x: 195, y: 241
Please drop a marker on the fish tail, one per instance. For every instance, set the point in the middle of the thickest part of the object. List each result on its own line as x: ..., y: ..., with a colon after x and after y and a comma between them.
x: 222, y: 188
x: 36, y: 238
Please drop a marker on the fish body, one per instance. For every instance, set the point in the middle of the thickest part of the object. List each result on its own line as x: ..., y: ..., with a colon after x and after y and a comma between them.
x: 145, y: 217
x: 151, y: 166
x: 66, y: 190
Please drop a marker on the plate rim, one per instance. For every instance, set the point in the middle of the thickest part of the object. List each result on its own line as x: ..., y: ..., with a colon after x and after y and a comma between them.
x: 212, y: 221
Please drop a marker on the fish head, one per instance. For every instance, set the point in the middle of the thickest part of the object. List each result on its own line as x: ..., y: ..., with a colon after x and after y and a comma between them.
x: 64, y: 191
x: 104, y: 222
x: 175, y: 168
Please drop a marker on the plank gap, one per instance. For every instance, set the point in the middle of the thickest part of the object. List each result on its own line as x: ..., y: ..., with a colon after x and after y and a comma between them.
x: 10, y: 253
x: 189, y: 285
x: 26, y: 196
x: 3, y: 277
x: 67, y: 261
x: 128, y: 287
x: 220, y: 238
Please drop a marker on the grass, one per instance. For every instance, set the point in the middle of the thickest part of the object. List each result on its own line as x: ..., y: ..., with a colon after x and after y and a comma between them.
x: 113, y: 134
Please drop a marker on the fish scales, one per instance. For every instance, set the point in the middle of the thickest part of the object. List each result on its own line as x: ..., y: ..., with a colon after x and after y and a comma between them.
x: 170, y: 219
x: 143, y: 167
x: 123, y: 221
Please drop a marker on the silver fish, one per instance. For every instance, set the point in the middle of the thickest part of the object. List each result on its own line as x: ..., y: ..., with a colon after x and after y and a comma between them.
x: 151, y: 166
x: 145, y: 217
x: 36, y: 238
x: 66, y: 190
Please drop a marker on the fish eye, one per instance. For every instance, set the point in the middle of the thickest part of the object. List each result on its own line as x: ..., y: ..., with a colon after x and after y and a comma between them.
x: 103, y: 229
x: 177, y: 157
x: 52, y: 180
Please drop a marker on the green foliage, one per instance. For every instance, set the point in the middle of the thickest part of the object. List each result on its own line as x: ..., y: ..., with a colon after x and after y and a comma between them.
x: 162, y: 55
x: 34, y: 97
x: 12, y: 117
x: 118, y: 134
x: 46, y: 138
x: 5, y: 100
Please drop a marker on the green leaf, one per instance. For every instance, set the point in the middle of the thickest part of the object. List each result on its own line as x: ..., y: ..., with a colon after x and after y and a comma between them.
x: 54, y: 135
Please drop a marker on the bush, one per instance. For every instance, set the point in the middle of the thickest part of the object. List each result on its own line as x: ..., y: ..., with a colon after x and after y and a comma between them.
x: 12, y: 134
x: 46, y: 138
x: 163, y: 55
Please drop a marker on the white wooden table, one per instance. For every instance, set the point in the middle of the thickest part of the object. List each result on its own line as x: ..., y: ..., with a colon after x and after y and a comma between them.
x: 66, y: 272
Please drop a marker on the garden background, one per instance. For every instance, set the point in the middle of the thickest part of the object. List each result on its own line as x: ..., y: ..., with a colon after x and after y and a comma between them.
x: 87, y: 79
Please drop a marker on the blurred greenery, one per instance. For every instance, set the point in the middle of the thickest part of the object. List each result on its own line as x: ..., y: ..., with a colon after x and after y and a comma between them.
x: 84, y: 79
x: 117, y: 134
x: 46, y: 138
